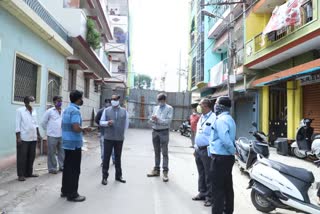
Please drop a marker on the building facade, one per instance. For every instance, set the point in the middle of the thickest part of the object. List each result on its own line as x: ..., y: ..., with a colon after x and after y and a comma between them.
x: 88, y: 25
x: 286, y: 61
x: 33, y: 51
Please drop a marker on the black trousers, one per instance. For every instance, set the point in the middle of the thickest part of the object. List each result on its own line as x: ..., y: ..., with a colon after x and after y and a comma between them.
x: 108, y: 146
x: 71, y: 173
x: 203, y: 165
x: 222, y: 185
x: 26, y: 153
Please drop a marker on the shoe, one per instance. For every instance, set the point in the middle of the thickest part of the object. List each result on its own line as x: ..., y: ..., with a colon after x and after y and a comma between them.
x: 79, y: 198
x: 21, y: 178
x: 154, y: 173
x: 198, y: 198
x: 62, y: 195
x: 165, y: 177
x: 33, y: 176
x: 53, y: 172
x: 121, y: 180
x: 208, y: 203
x: 104, y: 181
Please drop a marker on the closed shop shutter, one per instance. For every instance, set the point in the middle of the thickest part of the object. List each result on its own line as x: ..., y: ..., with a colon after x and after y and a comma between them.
x: 311, y: 105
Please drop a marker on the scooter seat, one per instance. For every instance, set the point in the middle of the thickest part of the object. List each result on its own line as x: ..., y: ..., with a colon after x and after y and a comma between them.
x: 245, y: 145
x: 299, y: 173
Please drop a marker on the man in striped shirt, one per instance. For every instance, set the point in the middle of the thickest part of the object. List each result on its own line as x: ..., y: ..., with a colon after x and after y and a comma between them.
x: 72, y: 143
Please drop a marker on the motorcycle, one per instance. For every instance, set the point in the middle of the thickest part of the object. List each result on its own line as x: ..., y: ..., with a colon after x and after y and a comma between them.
x: 185, y: 129
x: 276, y: 185
x: 247, y: 150
x: 307, y: 143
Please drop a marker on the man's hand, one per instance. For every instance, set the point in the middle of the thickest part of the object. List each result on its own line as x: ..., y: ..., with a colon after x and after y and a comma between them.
x: 39, y: 138
x: 87, y: 129
x: 110, y: 122
x: 19, y: 141
x: 154, y: 118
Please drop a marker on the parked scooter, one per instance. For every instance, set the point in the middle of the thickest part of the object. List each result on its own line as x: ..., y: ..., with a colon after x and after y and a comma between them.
x: 307, y: 143
x: 276, y: 185
x: 247, y: 150
x: 185, y: 128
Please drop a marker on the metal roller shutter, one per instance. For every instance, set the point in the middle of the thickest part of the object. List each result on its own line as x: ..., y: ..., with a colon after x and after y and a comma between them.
x: 311, y: 105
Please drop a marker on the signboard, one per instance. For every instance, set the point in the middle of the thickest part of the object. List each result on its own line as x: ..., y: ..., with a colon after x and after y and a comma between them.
x: 310, y: 79
x: 285, y: 15
x: 71, y: 3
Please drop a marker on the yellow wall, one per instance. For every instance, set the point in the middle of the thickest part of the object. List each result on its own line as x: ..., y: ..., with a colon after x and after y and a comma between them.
x: 255, y: 23
x: 264, y: 118
x: 294, y: 104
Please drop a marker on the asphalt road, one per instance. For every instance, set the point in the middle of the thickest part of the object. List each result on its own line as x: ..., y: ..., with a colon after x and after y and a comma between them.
x: 140, y: 195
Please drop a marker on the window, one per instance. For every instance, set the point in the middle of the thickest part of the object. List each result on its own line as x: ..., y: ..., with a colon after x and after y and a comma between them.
x: 54, y: 86
x: 72, y: 79
x: 26, y: 80
x: 86, y: 87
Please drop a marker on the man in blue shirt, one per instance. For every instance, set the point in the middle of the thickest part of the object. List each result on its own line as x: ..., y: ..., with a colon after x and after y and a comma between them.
x: 202, y: 159
x: 72, y: 143
x: 222, y: 150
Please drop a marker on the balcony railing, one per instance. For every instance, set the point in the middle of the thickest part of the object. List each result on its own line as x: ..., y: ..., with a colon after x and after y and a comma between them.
x: 261, y: 42
x: 37, y: 7
x: 106, y: 61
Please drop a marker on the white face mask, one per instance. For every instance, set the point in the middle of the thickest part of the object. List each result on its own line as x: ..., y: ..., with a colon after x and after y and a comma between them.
x: 114, y: 103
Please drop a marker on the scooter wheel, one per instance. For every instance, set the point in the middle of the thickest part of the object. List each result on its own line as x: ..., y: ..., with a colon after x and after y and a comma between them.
x: 297, y: 153
x: 260, y: 203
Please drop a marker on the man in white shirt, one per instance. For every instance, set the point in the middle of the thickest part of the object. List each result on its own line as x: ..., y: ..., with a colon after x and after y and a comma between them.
x: 27, y: 134
x: 52, y: 123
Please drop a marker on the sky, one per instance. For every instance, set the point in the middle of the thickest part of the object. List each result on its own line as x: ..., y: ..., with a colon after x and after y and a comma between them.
x: 159, y: 32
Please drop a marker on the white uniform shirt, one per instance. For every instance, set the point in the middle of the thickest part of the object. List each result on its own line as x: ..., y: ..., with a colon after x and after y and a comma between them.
x: 51, y: 122
x: 26, y: 124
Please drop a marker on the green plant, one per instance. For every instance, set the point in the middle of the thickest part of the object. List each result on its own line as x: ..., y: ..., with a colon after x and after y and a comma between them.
x: 93, y: 36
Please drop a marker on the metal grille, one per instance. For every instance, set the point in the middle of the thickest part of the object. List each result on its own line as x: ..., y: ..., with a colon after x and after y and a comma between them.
x: 37, y: 7
x: 72, y: 79
x: 54, y: 85
x: 86, y: 88
x: 26, y: 79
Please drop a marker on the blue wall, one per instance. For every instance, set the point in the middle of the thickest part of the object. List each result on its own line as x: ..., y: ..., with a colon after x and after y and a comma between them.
x: 210, y: 58
x: 16, y: 37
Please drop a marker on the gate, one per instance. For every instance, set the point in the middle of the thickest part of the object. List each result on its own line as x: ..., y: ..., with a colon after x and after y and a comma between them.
x: 141, y: 103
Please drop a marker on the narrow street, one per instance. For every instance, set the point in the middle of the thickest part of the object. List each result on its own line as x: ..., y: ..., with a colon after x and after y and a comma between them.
x: 140, y: 195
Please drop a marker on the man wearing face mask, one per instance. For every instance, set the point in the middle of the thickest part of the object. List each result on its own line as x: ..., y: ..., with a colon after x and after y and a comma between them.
x: 222, y: 150
x: 115, y: 120
x: 160, y: 120
x: 72, y: 143
x: 27, y: 134
x: 202, y: 159
x: 52, y: 123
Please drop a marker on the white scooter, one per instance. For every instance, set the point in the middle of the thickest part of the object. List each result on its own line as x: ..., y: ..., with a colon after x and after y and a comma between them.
x: 307, y: 143
x: 276, y: 185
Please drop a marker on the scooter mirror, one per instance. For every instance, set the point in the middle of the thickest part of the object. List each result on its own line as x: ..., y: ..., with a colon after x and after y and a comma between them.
x: 254, y: 124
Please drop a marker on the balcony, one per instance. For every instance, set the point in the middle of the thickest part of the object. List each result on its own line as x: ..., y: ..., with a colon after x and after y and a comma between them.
x: 32, y: 14
x: 266, y: 50
x: 48, y: 18
x: 267, y: 6
x: 219, y: 26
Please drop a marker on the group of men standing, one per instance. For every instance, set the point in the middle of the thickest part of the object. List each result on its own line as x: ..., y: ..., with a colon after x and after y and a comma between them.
x: 214, y: 154
x: 65, y: 140
x: 213, y: 139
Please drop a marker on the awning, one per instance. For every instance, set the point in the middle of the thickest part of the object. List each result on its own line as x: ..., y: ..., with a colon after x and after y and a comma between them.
x: 290, y: 73
x: 221, y: 45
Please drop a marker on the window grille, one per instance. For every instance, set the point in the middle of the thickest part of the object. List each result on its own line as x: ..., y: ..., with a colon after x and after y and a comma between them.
x: 72, y: 79
x: 86, y: 87
x: 54, y: 85
x: 26, y: 80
